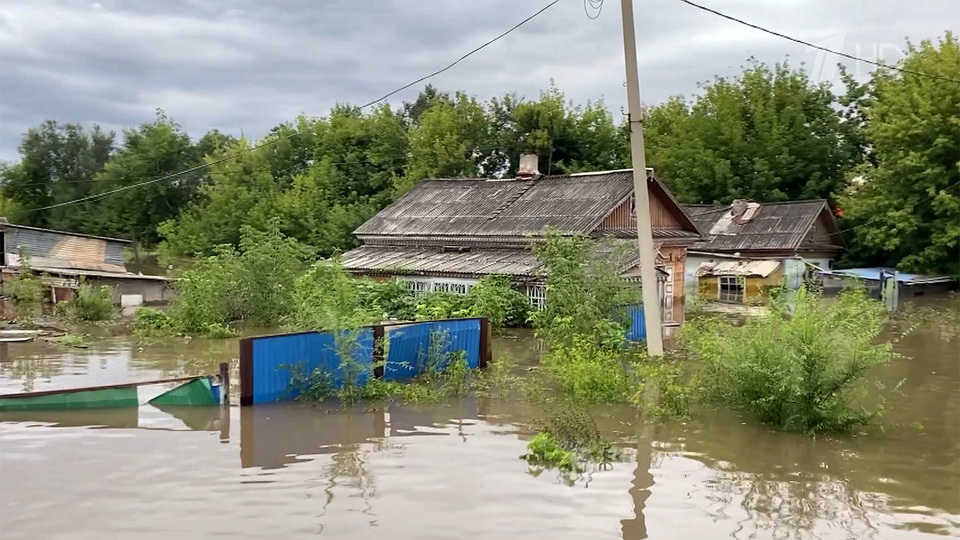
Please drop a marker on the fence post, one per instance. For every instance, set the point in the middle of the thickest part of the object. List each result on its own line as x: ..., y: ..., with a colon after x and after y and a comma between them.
x: 246, y: 372
x: 486, y: 350
x: 225, y: 383
x: 378, y: 347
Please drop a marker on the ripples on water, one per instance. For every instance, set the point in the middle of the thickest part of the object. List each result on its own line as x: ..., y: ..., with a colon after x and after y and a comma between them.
x: 452, y: 470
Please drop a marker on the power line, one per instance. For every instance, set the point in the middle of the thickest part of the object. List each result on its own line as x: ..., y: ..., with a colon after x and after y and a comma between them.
x: 464, y: 57
x: 277, y: 140
x: 596, y: 5
x: 818, y: 47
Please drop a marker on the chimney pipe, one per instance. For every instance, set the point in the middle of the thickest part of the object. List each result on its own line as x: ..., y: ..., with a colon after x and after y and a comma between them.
x: 528, y: 169
x: 738, y: 207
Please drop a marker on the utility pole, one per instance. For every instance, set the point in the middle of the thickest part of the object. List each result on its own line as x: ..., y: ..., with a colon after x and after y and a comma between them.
x: 648, y: 268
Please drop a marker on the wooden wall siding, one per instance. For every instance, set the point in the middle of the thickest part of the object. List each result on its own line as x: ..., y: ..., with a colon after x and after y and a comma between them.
x: 622, y: 218
x: 823, y: 231
x: 676, y: 258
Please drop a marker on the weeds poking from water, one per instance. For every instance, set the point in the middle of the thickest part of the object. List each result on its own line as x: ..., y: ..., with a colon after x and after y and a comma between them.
x: 91, y: 304
x: 567, y: 439
x: 587, y: 372
x: 802, y: 372
x: 77, y: 341
x: 544, y: 451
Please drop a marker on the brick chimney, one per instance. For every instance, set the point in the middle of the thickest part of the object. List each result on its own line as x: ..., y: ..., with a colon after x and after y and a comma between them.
x: 528, y: 170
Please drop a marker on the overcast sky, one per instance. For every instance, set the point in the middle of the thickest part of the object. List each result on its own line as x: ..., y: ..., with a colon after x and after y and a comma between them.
x: 251, y: 64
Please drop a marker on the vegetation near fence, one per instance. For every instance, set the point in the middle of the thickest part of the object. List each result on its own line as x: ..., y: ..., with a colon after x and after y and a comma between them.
x: 802, y: 369
x: 444, y: 374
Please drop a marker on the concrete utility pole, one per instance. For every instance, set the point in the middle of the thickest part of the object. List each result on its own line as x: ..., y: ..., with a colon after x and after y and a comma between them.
x: 648, y: 261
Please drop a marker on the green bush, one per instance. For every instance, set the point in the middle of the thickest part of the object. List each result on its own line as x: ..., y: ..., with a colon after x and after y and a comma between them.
x: 149, y: 321
x: 585, y: 292
x: 441, y: 305
x: 390, y: 299
x: 588, y: 372
x: 545, y: 451
x: 802, y: 370
x: 662, y: 390
x: 495, y: 298
x: 90, y: 304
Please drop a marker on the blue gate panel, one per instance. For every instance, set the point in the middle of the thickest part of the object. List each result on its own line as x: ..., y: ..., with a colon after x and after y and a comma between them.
x: 408, y: 346
x: 637, y: 331
x: 274, y: 358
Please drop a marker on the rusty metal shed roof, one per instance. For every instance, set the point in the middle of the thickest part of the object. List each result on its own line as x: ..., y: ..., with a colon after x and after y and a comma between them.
x: 574, y: 204
x: 776, y: 226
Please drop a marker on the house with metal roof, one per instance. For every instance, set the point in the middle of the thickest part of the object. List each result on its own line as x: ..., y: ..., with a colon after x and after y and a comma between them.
x: 749, y: 247
x: 63, y: 258
x: 446, y: 234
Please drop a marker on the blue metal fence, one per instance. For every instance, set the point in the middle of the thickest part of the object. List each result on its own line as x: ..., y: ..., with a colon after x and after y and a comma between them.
x: 637, y: 330
x: 408, y: 347
x: 268, y: 363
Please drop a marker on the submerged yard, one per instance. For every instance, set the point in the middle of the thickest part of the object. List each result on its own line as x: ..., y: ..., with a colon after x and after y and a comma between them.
x: 451, y: 469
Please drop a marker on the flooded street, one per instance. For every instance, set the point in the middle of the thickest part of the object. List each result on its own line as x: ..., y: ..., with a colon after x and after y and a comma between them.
x: 452, y: 470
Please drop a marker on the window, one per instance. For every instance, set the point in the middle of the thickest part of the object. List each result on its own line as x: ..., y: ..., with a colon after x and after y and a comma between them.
x: 538, y: 296
x: 730, y: 289
x: 452, y: 287
x: 417, y: 286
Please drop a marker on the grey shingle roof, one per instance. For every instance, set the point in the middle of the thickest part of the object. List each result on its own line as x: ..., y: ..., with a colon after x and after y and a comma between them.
x: 777, y: 226
x: 480, y: 208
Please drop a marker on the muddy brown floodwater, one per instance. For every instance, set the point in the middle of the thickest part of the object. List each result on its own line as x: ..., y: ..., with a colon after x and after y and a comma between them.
x: 452, y: 470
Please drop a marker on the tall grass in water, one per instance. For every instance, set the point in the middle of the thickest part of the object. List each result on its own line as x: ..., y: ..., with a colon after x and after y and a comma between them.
x: 802, y: 371
x: 91, y: 304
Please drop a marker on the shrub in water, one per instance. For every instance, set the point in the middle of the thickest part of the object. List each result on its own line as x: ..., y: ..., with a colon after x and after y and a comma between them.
x: 90, y: 304
x: 800, y: 371
x: 545, y: 451
x: 588, y: 372
x: 150, y: 321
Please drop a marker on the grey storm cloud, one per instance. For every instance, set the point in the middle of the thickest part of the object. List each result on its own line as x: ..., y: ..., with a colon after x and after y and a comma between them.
x: 247, y: 65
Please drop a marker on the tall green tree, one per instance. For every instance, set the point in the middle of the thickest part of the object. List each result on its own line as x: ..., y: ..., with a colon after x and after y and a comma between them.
x: 905, y: 205
x: 323, y: 177
x: 150, y: 151
x: 452, y: 139
x: 58, y: 163
x: 769, y: 134
x: 567, y: 138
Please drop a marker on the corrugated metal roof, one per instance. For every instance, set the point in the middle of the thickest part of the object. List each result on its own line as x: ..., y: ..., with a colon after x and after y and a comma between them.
x: 873, y: 274
x: 398, y: 259
x: 776, y: 226
x: 54, y: 249
x: 484, y: 208
x: 737, y: 268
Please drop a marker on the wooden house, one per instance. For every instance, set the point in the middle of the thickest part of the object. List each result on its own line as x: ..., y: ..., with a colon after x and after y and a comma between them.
x: 749, y: 247
x: 446, y: 234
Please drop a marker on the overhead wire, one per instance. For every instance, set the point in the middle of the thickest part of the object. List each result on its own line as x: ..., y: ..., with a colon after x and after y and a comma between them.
x: 292, y: 135
x: 596, y: 5
x: 819, y: 47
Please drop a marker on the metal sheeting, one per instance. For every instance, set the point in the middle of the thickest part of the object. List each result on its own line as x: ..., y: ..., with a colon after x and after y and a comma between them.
x: 56, y: 249
x: 275, y: 356
x: 761, y: 268
x: 873, y: 274
x: 408, y: 347
x: 776, y: 226
x: 396, y: 259
x: 637, y: 331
